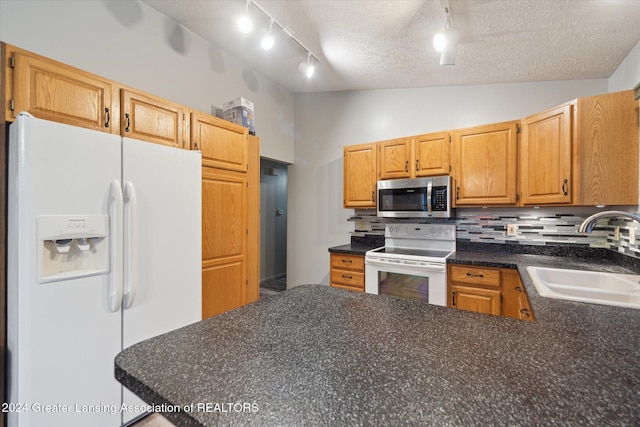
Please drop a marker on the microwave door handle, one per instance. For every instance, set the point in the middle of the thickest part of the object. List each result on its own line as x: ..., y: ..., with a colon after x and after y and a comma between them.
x: 429, y: 199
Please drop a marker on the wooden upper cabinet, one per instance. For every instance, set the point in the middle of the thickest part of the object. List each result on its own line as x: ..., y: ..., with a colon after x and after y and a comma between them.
x: 582, y: 153
x: 396, y: 158
x: 53, y: 91
x: 545, y: 157
x: 149, y: 118
x: 360, y: 176
x: 432, y: 154
x: 606, y: 172
x: 223, y: 144
x: 485, y: 164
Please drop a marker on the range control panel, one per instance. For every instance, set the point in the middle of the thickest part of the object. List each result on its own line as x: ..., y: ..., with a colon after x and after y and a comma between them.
x: 421, y: 231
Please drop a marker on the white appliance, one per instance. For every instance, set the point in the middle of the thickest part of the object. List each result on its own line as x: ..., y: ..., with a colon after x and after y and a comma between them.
x: 104, y: 250
x: 412, y: 264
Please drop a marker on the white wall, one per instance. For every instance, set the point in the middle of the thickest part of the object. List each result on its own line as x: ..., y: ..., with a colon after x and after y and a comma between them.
x: 326, y: 122
x: 627, y: 75
x: 133, y: 44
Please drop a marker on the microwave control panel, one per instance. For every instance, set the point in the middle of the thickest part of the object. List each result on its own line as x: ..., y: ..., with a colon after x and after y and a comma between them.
x: 439, y: 199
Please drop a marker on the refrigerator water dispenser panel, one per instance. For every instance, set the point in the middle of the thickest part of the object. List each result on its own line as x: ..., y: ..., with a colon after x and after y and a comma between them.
x: 72, y: 246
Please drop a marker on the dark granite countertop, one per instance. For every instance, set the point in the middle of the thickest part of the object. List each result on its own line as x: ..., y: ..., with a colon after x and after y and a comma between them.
x: 316, y: 355
x: 359, y: 245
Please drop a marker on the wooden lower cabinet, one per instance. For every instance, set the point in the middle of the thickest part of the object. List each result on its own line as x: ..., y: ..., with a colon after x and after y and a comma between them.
x: 497, y: 291
x: 347, y: 271
x: 475, y: 299
x: 224, y: 241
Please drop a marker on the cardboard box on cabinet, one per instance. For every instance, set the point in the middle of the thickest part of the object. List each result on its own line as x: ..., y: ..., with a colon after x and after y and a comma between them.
x: 240, y: 111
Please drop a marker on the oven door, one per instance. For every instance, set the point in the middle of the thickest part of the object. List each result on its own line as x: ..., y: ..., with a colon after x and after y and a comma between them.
x: 415, y: 280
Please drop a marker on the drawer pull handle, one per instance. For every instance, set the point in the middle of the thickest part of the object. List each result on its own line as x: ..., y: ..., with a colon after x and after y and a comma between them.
x: 565, y: 187
x: 344, y: 276
x: 453, y: 299
x: 518, y: 288
x: 108, y: 117
x: 347, y: 260
x: 524, y: 312
x: 127, y: 119
x: 475, y: 274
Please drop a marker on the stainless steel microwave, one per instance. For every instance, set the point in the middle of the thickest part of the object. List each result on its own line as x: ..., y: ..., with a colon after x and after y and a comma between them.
x: 415, y: 198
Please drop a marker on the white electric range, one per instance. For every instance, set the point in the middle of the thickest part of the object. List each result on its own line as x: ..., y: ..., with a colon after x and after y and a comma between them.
x: 412, y: 263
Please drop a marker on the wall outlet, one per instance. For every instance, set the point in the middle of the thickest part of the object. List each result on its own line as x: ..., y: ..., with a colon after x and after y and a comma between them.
x: 632, y: 236
x: 616, y: 232
x: 512, y: 229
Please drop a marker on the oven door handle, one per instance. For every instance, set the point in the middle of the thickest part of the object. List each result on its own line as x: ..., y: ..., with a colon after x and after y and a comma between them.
x: 423, y: 265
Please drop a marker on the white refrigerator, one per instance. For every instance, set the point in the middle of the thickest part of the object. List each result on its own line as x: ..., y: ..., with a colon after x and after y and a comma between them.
x: 104, y: 251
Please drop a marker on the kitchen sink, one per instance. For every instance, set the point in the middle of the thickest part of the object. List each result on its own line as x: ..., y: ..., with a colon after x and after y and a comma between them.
x: 622, y: 290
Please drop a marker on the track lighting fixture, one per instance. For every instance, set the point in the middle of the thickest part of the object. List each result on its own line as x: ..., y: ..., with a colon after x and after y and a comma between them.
x: 268, y: 41
x: 446, y: 41
x: 245, y: 25
x: 307, y: 68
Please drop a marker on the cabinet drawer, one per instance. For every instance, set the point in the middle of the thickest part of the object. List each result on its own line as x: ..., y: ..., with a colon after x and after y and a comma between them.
x: 475, y: 275
x: 351, y: 279
x: 350, y: 262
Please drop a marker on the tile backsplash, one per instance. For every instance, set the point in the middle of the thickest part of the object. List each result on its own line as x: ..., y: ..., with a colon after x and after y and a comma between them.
x: 539, y: 226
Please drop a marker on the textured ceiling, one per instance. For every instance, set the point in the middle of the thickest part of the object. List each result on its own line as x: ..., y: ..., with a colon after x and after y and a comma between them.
x: 380, y: 44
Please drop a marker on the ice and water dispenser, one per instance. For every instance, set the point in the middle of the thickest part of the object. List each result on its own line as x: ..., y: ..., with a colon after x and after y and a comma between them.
x: 72, y: 246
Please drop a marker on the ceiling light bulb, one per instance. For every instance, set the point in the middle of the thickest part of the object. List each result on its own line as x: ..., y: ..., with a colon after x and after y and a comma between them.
x: 244, y: 24
x: 267, y: 42
x: 307, y: 69
x: 439, y: 41
x: 446, y: 39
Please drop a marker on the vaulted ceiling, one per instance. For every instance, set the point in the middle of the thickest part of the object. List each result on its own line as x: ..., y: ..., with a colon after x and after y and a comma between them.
x: 381, y: 44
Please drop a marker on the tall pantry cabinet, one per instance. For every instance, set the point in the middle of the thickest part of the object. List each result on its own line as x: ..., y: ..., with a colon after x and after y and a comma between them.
x: 226, y: 258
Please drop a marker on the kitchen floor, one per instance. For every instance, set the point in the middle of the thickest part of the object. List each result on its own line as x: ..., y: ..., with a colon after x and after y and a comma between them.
x: 273, y: 286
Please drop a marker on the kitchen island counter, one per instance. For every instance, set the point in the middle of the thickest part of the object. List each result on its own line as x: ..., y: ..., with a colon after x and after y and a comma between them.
x: 316, y: 355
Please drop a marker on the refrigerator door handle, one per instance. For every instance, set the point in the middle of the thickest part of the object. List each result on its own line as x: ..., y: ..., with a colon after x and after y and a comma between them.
x: 131, y: 240
x: 114, y: 297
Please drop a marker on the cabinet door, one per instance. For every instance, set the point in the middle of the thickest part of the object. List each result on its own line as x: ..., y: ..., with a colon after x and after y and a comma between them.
x: 224, y: 241
x: 57, y: 92
x: 223, y: 144
x: 607, y: 131
x: 149, y: 118
x: 395, y: 158
x: 485, y: 164
x: 474, y: 299
x: 432, y: 154
x: 545, y: 157
x: 515, y: 302
x: 360, y: 169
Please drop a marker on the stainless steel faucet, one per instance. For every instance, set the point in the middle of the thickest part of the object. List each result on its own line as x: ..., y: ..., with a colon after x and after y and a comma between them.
x: 588, y: 224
